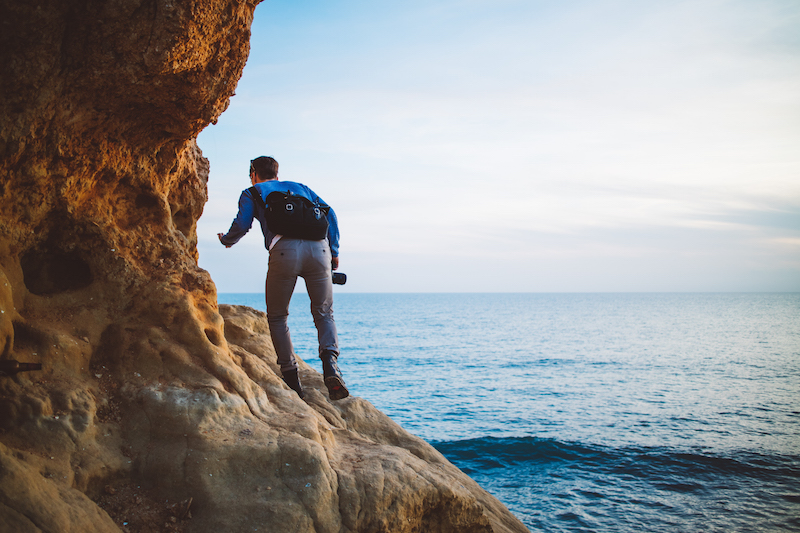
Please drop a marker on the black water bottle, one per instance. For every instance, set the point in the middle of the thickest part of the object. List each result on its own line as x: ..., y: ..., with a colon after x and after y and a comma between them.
x: 10, y: 367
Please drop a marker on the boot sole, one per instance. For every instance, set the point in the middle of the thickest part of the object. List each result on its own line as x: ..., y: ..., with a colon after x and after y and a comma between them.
x: 336, y: 388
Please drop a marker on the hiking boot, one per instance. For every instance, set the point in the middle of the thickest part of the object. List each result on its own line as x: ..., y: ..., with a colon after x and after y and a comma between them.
x: 292, y: 379
x: 333, y: 377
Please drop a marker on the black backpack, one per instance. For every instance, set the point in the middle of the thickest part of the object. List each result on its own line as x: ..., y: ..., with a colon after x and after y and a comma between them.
x: 293, y: 216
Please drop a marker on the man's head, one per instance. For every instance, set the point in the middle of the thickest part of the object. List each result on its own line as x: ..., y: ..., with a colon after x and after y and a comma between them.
x: 265, y: 169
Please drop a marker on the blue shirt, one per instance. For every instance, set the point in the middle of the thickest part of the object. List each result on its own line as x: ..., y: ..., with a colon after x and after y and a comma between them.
x: 247, y: 212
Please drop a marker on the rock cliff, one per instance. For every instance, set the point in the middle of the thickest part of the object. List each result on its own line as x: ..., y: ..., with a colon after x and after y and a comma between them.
x: 153, y: 412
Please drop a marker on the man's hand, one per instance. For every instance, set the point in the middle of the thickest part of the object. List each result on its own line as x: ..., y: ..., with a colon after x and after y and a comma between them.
x: 334, y: 263
x: 221, y: 235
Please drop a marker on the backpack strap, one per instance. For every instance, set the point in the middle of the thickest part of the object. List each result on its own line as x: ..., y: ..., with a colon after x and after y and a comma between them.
x: 257, y: 197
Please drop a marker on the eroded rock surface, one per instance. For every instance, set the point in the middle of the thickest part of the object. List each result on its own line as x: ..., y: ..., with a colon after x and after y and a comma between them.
x: 152, y: 412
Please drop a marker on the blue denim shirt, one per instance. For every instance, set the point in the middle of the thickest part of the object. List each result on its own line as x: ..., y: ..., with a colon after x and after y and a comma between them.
x: 247, y: 212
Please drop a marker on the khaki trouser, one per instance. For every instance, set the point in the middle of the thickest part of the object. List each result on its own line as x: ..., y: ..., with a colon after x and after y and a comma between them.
x: 311, y: 260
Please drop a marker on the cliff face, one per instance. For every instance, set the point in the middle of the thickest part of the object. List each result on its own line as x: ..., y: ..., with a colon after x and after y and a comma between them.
x: 152, y: 412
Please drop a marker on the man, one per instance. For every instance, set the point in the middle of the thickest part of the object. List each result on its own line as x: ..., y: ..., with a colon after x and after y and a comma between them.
x: 289, y: 258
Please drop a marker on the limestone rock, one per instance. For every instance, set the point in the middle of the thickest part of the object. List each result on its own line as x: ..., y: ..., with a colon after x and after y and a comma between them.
x: 152, y: 412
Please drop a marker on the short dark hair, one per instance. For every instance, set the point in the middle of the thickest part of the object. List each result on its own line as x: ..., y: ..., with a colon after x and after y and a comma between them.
x: 266, y: 167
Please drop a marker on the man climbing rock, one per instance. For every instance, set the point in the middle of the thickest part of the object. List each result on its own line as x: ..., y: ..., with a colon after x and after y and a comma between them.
x: 312, y: 256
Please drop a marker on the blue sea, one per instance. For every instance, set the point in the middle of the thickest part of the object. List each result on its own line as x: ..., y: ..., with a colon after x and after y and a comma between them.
x: 590, y: 412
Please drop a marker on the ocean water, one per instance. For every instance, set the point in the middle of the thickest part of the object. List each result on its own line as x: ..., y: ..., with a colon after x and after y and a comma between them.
x: 590, y: 412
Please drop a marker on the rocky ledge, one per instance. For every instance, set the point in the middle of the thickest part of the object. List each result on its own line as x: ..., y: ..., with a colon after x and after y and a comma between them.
x: 156, y: 456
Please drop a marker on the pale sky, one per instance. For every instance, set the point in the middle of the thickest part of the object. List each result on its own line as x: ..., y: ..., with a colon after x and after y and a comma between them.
x: 524, y: 146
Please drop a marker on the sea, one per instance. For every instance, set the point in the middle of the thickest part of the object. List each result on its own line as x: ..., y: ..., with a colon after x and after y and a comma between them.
x: 590, y: 412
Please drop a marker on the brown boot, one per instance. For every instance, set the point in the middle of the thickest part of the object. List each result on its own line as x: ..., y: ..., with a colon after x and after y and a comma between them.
x: 333, y: 377
x: 292, y: 379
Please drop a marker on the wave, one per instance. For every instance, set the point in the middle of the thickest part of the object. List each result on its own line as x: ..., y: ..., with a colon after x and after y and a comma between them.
x: 487, y: 453
x: 553, y: 485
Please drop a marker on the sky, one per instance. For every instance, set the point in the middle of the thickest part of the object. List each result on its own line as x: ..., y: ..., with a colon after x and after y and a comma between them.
x: 524, y: 145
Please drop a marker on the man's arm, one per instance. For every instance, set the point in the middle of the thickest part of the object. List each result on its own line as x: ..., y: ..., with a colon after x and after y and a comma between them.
x: 333, y: 233
x: 242, y: 223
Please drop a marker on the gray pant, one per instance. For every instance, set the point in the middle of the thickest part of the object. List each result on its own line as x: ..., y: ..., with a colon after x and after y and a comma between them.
x: 310, y: 260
